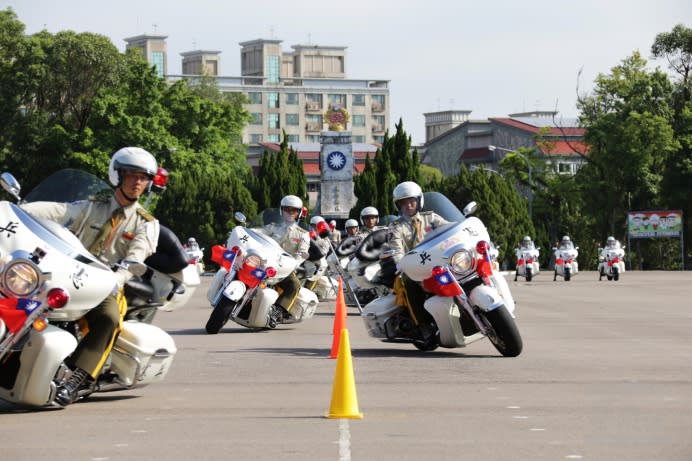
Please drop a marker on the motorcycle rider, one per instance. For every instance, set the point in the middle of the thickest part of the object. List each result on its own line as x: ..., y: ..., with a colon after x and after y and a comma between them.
x: 113, y: 226
x: 369, y: 218
x: 525, y: 245
x: 566, y: 243
x: 407, y: 232
x: 192, y: 244
x: 351, y: 227
x: 294, y: 240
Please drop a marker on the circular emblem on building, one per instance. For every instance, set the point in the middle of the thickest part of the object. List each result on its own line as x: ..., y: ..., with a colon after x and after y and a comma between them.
x: 336, y: 160
x: 336, y: 117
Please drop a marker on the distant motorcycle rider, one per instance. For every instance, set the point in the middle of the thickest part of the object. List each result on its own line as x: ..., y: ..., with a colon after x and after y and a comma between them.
x: 113, y: 226
x: 294, y: 240
x: 369, y: 218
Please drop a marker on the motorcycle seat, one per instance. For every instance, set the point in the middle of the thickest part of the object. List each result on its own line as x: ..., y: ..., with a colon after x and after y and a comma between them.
x: 139, y: 289
x: 170, y: 256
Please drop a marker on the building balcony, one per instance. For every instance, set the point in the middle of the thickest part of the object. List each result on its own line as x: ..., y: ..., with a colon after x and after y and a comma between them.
x: 313, y: 127
x: 378, y: 129
x: 377, y: 107
x: 313, y: 106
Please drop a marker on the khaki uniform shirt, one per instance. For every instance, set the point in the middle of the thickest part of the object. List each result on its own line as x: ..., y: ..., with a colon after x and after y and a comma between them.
x: 135, y: 237
x: 292, y: 238
x: 364, y: 231
x: 335, y: 237
x: 401, y: 241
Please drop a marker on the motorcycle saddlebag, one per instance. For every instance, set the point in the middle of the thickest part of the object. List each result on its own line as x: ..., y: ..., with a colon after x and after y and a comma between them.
x: 142, y: 354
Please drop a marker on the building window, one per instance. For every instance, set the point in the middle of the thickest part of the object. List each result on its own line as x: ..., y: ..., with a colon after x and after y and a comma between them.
x: 378, y: 139
x: 312, y: 138
x: 358, y: 99
x: 378, y: 122
x: 273, y: 100
x: 313, y: 187
x: 273, y: 138
x: 157, y: 60
x: 358, y: 120
x: 339, y: 99
x: 359, y: 139
x: 378, y: 102
x: 314, y: 101
x: 256, y: 118
x: 273, y: 63
x: 292, y: 98
x: 255, y: 98
x: 293, y: 138
x: 291, y: 119
x: 273, y: 121
x: 255, y: 138
x: 565, y: 168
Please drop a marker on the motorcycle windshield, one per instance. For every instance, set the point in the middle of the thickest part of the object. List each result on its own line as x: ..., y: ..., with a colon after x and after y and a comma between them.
x: 68, y: 185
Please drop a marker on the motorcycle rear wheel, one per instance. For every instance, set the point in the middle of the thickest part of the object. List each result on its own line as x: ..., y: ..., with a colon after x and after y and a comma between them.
x: 568, y: 274
x: 503, y: 331
x: 616, y: 273
x: 219, y: 316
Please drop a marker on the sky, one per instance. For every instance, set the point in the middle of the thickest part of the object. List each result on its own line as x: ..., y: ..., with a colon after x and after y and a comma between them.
x: 490, y: 57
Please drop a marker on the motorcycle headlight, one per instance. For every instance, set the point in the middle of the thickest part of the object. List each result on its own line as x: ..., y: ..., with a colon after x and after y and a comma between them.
x: 20, y: 279
x: 461, y: 262
x: 253, y: 260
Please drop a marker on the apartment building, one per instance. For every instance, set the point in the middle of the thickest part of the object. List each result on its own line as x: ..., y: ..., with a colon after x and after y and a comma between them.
x: 288, y: 91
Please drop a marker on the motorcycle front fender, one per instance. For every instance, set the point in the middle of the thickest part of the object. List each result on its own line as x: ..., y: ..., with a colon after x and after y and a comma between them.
x: 39, y: 362
x: 448, y: 320
x: 486, y: 298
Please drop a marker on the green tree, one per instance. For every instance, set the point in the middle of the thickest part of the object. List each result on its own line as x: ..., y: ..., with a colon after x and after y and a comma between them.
x: 676, y: 48
x: 280, y: 174
x: 627, y: 120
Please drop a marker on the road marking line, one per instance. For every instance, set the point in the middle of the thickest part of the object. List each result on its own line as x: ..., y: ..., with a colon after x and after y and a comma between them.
x: 344, y: 441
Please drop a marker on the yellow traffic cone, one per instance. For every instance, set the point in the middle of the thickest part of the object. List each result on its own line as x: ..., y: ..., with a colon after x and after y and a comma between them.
x: 344, y: 400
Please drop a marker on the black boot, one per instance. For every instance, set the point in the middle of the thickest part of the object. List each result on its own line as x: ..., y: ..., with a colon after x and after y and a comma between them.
x: 67, y: 392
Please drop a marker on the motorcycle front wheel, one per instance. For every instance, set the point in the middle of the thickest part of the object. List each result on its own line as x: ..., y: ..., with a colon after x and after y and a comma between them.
x: 502, y: 331
x: 616, y: 273
x: 528, y: 274
x: 219, y: 316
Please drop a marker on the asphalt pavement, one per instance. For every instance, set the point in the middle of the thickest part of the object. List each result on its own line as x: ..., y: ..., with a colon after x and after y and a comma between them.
x: 605, y: 374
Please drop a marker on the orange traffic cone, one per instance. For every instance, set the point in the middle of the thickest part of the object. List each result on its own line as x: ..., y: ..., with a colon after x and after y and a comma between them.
x: 344, y: 400
x: 339, y: 320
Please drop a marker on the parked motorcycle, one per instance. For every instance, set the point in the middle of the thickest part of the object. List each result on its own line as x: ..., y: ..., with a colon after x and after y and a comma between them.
x: 242, y: 290
x: 49, y: 282
x: 566, y: 264
x: 467, y: 298
x: 527, y: 263
x: 611, y: 261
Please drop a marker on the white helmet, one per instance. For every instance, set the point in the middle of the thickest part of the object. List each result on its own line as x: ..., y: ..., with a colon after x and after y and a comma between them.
x: 565, y: 238
x: 369, y: 211
x: 527, y: 238
x: 350, y: 223
x: 291, y: 201
x: 191, y: 240
x: 332, y: 224
x: 610, y: 239
x: 408, y: 189
x: 315, y: 219
x: 131, y: 158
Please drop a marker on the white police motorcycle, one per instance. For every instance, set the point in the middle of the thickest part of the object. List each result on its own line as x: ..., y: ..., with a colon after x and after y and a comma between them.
x: 466, y: 296
x: 527, y: 260
x: 48, y: 281
x: 611, y: 260
x: 243, y: 289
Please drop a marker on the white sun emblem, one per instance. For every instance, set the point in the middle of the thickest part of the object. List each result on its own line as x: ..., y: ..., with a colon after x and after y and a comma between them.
x: 336, y: 160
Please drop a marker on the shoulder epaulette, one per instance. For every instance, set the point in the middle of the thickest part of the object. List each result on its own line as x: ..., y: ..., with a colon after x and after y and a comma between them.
x: 426, y: 213
x: 145, y: 214
x: 301, y: 229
